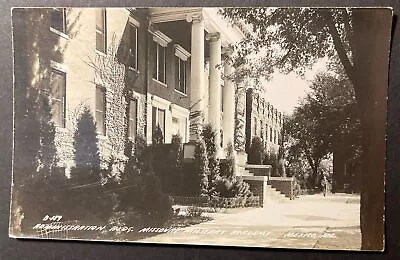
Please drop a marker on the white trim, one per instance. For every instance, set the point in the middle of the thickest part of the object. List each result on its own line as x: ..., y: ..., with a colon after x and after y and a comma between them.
x: 179, y: 111
x: 183, y: 94
x: 133, y: 21
x: 181, y: 53
x: 59, y: 66
x: 61, y: 34
x: 160, y: 102
x: 159, y: 82
x: 160, y: 38
x: 163, y: 14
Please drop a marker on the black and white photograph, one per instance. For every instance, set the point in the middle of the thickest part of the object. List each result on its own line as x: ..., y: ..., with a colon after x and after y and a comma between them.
x: 214, y: 126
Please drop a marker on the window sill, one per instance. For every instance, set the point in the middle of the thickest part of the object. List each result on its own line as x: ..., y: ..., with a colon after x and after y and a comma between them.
x: 161, y: 83
x: 182, y: 93
x: 101, y: 53
x: 61, y: 129
x: 61, y: 34
x: 101, y: 136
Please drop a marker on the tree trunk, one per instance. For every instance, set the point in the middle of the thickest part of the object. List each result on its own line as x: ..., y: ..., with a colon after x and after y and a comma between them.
x: 371, y: 46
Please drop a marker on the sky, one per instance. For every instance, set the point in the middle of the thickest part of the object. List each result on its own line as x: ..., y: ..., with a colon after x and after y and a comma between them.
x: 285, y: 91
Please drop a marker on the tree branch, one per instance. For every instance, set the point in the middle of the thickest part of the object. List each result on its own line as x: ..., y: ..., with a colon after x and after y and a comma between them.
x: 337, y: 42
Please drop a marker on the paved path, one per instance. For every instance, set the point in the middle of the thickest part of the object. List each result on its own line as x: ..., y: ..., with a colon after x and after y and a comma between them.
x: 311, y: 221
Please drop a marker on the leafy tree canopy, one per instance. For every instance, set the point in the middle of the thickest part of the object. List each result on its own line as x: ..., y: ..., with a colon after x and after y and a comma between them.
x: 290, y: 39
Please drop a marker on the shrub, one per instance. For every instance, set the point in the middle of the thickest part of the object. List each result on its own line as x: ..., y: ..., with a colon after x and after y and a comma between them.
x: 193, y: 211
x: 272, y: 159
x: 256, y: 151
x: 201, y: 170
x: 144, y: 196
x: 175, y: 165
x: 48, y: 152
x: 140, y: 195
x: 158, y: 137
x: 227, y: 166
x: 71, y: 198
x: 208, y: 135
x: 86, y: 143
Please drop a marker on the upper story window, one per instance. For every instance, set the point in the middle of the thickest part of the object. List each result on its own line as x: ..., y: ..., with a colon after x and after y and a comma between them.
x: 181, y: 68
x: 181, y: 75
x: 160, y: 54
x: 101, y: 39
x: 101, y: 109
x: 270, y: 134
x: 58, y: 19
x: 160, y: 63
x: 132, y: 120
x: 57, y: 96
x: 132, y: 47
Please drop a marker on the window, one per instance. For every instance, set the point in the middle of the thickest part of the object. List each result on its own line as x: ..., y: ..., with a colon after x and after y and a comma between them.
x: 255, y: 126
x: 180, y: 66
x: 58, y: 19
x: 159, y: 63
x: 132, y: 47
x: 101, y: 109
x: 57, y: 96
x: 270, y: 134
x: 101, y: 30
x: 132, y: 120
x: 158, y: 119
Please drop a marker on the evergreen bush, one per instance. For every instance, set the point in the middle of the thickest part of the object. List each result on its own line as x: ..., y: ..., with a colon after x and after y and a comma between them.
x: 208, y: 135
x: 256, y: 151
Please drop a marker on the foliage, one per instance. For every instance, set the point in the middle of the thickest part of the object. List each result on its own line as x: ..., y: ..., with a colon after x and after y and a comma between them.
x: 47, y: 153
x: 157, y: 137
x: 193, y: 211
x: 234, y: 202
x: 208, y: 135
x: 175, y: 159
x: 201, y: 169
x: 256, y: 151
x: 86, y: 142
x: 227, y: 166
x: 287, y: 38
x: 150, y: 204
x: 326, y: 118
x: 57, y: 195
x: 272, y: 159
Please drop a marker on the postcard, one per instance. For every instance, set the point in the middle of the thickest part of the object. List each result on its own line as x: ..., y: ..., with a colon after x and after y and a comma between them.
x: 252, y: 127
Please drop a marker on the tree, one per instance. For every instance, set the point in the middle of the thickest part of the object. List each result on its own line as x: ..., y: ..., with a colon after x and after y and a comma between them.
x: 48, y: 151
x: 309, y: 134
x: 293, y: 39
x: 327, y: 118
x: 87, y: 155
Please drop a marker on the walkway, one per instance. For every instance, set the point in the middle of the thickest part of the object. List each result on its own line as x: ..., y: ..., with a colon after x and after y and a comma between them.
x: 311, y: 221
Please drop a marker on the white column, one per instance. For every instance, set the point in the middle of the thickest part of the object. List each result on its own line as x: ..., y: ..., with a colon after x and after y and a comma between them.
x: 214, y: 105
x: 196, y: 77
x: 228, y: 106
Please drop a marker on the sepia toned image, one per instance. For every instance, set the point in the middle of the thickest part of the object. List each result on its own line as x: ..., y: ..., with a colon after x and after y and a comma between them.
x: 254, y: 127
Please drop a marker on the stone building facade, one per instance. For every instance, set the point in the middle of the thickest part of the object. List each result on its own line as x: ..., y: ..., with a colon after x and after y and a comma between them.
x: 263, y: 120
x: 134, y: 68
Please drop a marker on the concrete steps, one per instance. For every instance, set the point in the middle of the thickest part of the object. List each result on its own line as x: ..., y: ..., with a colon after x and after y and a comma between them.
x: 275, y: 194
x: 270, y: 192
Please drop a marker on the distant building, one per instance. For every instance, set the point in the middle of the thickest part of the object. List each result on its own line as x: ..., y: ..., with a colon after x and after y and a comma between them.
x: 264, y: 121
